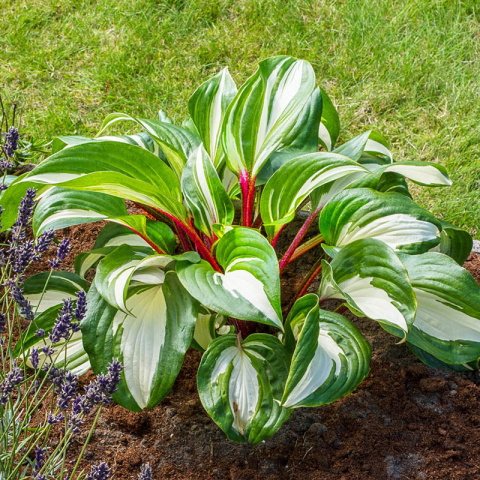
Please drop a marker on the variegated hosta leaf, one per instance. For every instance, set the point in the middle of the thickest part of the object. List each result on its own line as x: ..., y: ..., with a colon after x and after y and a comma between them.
x: 110, y: 237
x: 424, y: 173
x: 447, y: 324
x: 46, y: 293
x: 370, y: 142
x: 331, y: 357
x: 266, y: 115
x: 204, y: 193
x: 141, y: 139
x: 241, y: 384
x: 61, y: 285
x: 370, y: 277
x: 434, y: 362
x: 455, y: 242
x: 74, y: 358
x: 208, y: 327
x: 295, y: 180
x: 250, y: 287
x: 207, y: 107
x: 117, y: 169
x: 329, y: 128
x: 59, y: 208
x: 390, y: 217
x: 150, y: 342
x: 177, y: 143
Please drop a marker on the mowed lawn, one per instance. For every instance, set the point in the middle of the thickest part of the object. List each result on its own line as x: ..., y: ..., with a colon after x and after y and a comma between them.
x: 407, y: 68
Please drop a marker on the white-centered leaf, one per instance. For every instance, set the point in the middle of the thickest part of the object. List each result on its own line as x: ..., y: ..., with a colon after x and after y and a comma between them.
x: 369, y: 276
x: 390, y: 217
x: 249, y: 288
x: 207, y: 107
x: 204, y: 193
x: 263, y: 116
x: 330, y: 359
x: 329, y: 128
x: 297, y: 179
x: 150, y: 341
x: 241, y: 383
x: 447, y: 324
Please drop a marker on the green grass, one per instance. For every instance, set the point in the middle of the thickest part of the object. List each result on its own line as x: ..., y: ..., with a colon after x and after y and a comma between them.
x: 408, y: 68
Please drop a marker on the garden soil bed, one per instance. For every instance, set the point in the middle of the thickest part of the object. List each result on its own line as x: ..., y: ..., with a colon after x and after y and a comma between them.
x: 405, y: 421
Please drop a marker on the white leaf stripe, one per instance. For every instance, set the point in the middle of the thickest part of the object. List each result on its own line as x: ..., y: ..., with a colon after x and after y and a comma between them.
x: 142, y: 339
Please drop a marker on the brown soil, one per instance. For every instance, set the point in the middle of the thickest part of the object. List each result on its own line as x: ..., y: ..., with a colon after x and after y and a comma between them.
x: 405, y: 421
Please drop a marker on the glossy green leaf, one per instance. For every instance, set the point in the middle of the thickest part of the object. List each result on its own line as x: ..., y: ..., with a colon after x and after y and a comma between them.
x: 250, y: 287
x: 177, y: 143
x: 447, y: 324
x: 390, y: 217
x: 455, y: 242
x: 204, y: 193
x: 331, y: 357
x: 298, y: 178
x: 208, y: 327
x: 150, y: 342
x: 329, y: 128
x: 59, y: 208
x: 265, y: 115
x: 48, y: 289
x: 208, y: 106
x: 240, y: 384
x: 368, y: 275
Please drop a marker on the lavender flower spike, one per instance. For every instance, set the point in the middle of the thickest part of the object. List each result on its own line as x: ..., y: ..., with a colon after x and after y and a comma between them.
x: 62, y: 252
x: 11, y: 141
x: 39, y: 462
x: 69, y: 388
x: 11, y: 381
x: 99, y: 472
x: 63, y: 325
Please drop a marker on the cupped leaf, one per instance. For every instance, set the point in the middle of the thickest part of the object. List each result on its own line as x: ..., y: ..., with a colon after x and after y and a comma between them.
x: 369, y: 276
x: 69, y: 354
x: 390, y: 217
x: 298, y: 178
x: 455, y: 242
x: 59, y: 208
x: 250, y: 287
x: 240, y: 384
x: 329, y: 128
x: 49, y: 289
x: 150, y: 342
x: 265, y: 115
x: 207, y: 107
x: 331, y: 357
x: 177, y: 143
x: 447, y: 324
x: 204, y: 193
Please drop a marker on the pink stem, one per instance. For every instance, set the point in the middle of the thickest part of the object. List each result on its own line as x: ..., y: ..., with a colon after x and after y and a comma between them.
x: 275, y: 239
x: 296, y: 241
x: 244, y: 188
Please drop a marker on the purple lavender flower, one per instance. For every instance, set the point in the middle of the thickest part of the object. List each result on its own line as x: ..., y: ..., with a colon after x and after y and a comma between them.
x: 39, y: 462
x: 76, y: 415
x: 40, y: 333
x: 99, y: 472
x: 11, y: 142
x: 42, y: 243
x: 69, y: 388
x: 81, y: 308
x: 11, y: 381
x: 53, y: 419
x: 56, y: 376
x: 2, y: 323
x: 21, y: 255
x: 3, y: 187
x: 34, y: 358
x: 6, y: 164
x: 22, y: 302
x: 25, y: 210
x: 145, y: 472
x: 63, y: 325
x: 62, y: 252
x: 48, y: 351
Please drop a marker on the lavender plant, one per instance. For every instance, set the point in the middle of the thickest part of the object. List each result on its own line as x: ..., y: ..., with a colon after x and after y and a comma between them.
x: 39, y: 395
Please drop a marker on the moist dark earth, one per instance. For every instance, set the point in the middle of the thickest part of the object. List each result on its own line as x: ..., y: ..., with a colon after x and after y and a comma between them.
x: 405, y: 421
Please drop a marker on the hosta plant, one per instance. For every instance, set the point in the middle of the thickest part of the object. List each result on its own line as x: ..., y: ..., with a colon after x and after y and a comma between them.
x: 196, y: 265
